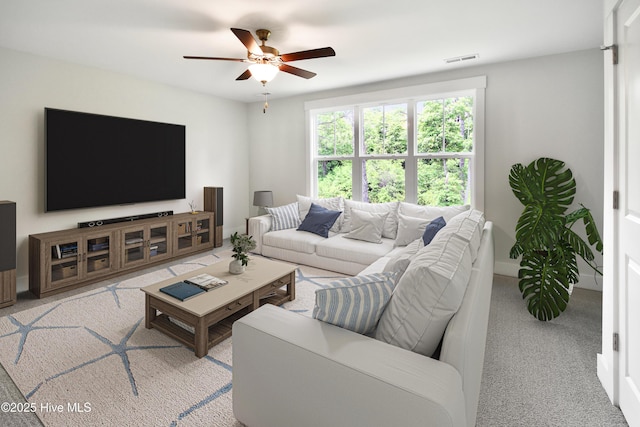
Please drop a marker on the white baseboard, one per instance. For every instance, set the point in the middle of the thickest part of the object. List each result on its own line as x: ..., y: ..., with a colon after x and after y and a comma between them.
x: 587, y: 281
x: 506, y: 268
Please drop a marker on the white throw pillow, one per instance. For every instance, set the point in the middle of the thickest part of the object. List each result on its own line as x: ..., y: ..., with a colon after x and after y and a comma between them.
x: 412, y: 248
x: 284, y: 217
x: 367, y: 226
x: 397, y: 265
x: 355, y: 303
x: 431, y: 212
x: 333, y: 204
x: 391, y: 223
x: 400, y: 261
x: 409, y: 229
x: 427, y: 296
x: 468, y: 226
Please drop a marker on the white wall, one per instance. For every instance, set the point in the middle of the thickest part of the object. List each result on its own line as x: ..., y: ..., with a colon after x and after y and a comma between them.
x: 216, y: 143
x: 549, y: 106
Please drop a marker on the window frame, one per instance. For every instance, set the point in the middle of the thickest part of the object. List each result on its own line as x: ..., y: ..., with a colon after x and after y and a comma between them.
x: 473, y: 86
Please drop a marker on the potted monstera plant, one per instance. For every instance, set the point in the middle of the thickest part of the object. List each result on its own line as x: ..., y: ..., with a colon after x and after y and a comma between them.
x: 545, y: 237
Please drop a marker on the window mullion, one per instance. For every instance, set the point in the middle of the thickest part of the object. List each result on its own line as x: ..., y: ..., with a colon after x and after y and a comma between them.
x: 444, y: 126
x: 356, y: 171
x: 410, y: 165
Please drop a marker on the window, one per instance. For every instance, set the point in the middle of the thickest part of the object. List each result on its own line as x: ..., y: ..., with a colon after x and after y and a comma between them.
x: 419, y: 144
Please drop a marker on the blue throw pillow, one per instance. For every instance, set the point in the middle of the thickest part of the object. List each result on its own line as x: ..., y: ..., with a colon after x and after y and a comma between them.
x: 319, y: 220
x: 432, y: 229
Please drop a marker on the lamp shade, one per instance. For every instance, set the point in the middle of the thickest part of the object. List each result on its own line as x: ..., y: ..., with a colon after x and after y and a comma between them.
x: 263, y: 198
x: 263, y: 72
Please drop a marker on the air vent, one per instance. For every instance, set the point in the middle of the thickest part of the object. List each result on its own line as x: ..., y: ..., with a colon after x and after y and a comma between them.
x: 462, y: 58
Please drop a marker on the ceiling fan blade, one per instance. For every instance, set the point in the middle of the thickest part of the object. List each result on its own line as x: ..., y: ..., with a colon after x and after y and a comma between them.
x: 247, y: 39
x: 244, y: 76
x: 296, y: 71
x: 214, y: 58
x: 308, y: 54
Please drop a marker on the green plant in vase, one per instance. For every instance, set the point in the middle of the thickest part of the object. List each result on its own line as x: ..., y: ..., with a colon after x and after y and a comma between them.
x: 242, y: 244
x: 544, y: 236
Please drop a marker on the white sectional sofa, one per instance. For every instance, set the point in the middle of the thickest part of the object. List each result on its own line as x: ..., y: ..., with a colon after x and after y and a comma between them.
x: 292, y: 370
x: 338, y: 253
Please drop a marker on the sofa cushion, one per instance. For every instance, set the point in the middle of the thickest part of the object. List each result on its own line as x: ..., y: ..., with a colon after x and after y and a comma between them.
x: 427, y: 296
x: 292, y: 239
x: 410, y: 228
x: 432, y: 229
x: 355, y: 303
x: 319, y: 220
x: 350, y: 250
x: 333, y: 203
x: 468, y: 226
x: 367, y: 226
x: 391, y: 223
x: 375, y: 267
x: 431, y: 212
x: 284, y: 217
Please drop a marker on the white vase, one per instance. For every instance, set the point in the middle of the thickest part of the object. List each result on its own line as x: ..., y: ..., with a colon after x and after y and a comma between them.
x: 236, y: 267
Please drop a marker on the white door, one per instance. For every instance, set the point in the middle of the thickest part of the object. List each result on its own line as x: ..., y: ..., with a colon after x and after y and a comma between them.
x: 628, y: 35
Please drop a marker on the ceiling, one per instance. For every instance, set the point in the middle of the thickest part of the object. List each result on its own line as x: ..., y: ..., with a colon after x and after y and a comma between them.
x: 374, y: 40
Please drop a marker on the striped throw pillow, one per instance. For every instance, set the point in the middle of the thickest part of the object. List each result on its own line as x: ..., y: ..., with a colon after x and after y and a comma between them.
x: 355, y: 303
x: 284, y: 217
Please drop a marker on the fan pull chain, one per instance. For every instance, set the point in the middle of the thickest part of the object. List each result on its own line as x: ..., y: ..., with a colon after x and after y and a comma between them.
x: 266, y: 103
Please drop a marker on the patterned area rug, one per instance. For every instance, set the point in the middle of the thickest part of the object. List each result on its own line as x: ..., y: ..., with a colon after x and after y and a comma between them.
x: 88, y: 360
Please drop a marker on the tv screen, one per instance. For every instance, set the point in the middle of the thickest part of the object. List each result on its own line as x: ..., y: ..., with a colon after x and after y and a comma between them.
x: 94, y: 160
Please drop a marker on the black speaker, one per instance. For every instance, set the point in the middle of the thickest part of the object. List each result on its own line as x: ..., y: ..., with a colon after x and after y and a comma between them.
x: 7, y: 235
x: 213, y: 203
x: 99, y: 222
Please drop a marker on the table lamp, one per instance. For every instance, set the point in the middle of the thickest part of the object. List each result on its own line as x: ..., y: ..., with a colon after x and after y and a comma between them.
x: 262, y: 199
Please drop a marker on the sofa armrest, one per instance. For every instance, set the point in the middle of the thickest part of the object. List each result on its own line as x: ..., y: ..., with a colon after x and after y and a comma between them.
x: 258, y: 226
x: 289, y: 369
x: 466, y: 335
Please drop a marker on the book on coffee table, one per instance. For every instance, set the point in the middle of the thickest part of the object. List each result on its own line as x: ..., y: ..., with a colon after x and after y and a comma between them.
x: 182, y: 290
x: 206, y: 282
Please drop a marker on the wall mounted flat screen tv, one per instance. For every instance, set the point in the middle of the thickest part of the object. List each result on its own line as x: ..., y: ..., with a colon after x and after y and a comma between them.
x: 94, y: 160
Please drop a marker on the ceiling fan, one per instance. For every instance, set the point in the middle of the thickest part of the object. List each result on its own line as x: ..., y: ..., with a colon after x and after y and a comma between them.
x: 266, y: 61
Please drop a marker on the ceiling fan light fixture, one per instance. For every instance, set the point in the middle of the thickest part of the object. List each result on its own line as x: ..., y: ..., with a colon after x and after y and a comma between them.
x: 266, y: 61
x: 263, y: 72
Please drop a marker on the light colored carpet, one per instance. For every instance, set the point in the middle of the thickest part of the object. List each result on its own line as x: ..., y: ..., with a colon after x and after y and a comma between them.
x: 543, y: 373
x: 88, y: 359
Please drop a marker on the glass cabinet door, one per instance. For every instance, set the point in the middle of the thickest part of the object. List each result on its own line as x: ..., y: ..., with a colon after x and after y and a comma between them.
x: 159, y: 242
x: 133, y: 247
x: 184, y: 236
x: 98, y: 250
x: 64, y: 261
x: 204, y: 235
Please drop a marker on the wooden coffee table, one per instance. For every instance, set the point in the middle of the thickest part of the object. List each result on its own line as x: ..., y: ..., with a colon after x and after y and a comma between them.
x: 211, y: 314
